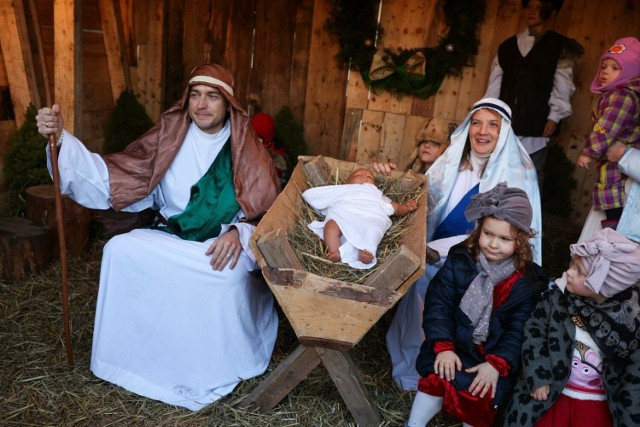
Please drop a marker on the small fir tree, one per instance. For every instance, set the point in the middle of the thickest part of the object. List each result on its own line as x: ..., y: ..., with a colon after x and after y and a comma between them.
x: 128, y: 121
x: 289, y: 131
x: 25, y: 164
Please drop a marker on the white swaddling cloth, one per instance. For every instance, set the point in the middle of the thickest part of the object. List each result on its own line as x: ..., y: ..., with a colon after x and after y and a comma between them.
x: 361, y: 211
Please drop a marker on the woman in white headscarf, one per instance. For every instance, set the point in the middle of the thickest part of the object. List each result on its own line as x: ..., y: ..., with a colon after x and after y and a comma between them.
x: 483, y: 152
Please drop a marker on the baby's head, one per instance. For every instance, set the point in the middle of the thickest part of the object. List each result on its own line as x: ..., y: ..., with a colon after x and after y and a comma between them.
x: 503, y: 216
x: 361, y: 176
x: 619, y: 64
x: 603, y: 266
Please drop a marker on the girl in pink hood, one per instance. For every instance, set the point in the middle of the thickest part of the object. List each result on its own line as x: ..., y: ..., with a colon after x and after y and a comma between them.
x: 615, y: 116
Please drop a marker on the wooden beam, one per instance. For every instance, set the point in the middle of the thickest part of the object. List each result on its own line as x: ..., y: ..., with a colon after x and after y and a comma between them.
x: 353, y: 391
x: 14, y: 41
x: 150, y: 60
x: 113, y: 35
x: 67, y: 64
x: 283, y: 379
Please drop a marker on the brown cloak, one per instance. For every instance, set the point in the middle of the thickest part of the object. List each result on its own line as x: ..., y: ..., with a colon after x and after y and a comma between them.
x: 135, y: 172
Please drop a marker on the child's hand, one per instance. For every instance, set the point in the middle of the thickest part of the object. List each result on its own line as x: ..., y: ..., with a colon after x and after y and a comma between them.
x: 583, y: 161
x: 485, y: 380
x: 446, y: 364
x: 541, y: 393
x: 383, y: 168
x: 616, y: 151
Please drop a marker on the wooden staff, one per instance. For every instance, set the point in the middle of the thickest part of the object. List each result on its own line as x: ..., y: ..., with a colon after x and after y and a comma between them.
x: 56, y: 189
x: 63, y: 247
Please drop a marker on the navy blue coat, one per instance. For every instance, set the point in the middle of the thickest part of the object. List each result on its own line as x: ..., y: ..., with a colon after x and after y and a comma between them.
x: 443, y: 320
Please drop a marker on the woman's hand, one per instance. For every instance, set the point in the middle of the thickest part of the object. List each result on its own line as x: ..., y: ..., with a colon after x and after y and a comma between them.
x: 616, y: 151
x: 446, y: 364
x: 225, y: 249
x: 583, y: 161
x: 485, y: 380
x: 49, y: 120
x: 383, y: 168
x: 541, y: 393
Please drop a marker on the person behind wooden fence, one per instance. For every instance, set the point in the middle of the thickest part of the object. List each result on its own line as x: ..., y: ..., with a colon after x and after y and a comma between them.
x: 432, y: 139
x: 533, y: 73
x: 180, y: 315
x: 356, y: 218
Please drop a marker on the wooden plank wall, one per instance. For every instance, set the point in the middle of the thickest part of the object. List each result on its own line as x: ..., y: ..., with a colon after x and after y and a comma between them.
x: 382, y: 128
x: 281, y: 55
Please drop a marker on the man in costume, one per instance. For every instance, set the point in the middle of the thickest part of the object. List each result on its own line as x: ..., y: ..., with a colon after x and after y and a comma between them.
x: 180, y: 316
x: 533, y: 74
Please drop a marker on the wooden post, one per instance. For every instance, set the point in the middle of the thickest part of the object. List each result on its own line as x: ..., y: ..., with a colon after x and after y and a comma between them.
x: 114, y: 47
x: 317, y: 171
x: 277, y: 250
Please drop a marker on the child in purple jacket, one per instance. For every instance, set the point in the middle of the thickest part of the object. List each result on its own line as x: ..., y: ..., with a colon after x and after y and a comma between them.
x: 615, y: 118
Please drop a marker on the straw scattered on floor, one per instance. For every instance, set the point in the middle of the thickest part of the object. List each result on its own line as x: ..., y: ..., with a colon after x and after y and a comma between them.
x: 38, y: 389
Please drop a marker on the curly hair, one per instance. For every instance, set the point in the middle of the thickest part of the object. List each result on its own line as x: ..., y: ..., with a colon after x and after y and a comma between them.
x: 523, y: 254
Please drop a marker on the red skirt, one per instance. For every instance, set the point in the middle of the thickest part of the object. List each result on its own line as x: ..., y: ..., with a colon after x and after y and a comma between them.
x: 568, y: 412
x: 460, y: 404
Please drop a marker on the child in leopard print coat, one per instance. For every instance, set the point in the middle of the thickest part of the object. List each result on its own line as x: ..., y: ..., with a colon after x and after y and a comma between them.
x: 581, y: 362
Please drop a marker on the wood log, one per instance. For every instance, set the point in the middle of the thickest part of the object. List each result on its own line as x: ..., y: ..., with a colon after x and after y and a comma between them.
x: 24, y: 248
x: 317, y: 171
x: 41, y: 210
x: 277, y: 250
x: 395, y: 270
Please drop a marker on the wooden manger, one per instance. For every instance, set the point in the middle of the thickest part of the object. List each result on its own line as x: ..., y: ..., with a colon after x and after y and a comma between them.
x: 331, y: 316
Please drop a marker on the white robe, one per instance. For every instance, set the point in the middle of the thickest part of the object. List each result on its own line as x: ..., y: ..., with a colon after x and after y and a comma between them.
x: 361, y: 211
x: 167, y: 325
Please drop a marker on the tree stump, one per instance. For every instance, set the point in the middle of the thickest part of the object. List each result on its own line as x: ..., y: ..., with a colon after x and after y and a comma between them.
x: 24, y: 248
x: 41, y: 209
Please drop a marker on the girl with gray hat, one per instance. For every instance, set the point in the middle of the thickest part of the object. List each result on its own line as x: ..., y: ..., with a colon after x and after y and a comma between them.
x: 475, y: 310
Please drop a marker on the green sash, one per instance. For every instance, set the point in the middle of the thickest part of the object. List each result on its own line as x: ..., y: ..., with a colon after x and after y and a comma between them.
x: 212, y: 202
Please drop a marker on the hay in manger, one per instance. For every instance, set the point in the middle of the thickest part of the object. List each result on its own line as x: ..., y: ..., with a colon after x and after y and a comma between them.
x: 331, y: 306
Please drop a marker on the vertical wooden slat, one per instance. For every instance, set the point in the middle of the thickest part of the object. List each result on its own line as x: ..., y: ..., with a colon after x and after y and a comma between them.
x: 14, y: 40
x: 68, y: 62
x: 393, y: 129
x: 197, y: 14
x: 325, y: 98
x: 370, y: 136
x: 408, y: 143
x: 113, y: 35
x: 351, y: 134
x: 301, y: 54
x: 270, y: 82
x: 238, y: 43
x: 175, y: 73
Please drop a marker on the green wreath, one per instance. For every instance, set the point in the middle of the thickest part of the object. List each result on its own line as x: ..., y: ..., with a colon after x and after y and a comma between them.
x: 419, y: 71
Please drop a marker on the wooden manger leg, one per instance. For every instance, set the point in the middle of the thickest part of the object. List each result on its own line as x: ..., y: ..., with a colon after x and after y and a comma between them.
x: 283, y: 379
x: 346, y: 377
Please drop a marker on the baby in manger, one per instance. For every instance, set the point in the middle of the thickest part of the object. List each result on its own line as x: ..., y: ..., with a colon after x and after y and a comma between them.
x: 356, y: 218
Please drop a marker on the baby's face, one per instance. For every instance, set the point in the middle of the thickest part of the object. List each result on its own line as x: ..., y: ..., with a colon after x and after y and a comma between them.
x: 576, y: 277
x: 361, y: 176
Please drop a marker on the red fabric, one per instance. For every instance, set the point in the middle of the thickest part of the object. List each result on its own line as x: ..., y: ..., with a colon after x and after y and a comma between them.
x: 460, y: 404
x: 440, y: 346
x: 502, y: 290
x: 501, y: 365
x: 265, y: 127
x: 568, y: 412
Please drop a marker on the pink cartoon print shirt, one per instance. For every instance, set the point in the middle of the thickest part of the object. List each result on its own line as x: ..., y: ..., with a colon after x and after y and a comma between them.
x: 585, y: 381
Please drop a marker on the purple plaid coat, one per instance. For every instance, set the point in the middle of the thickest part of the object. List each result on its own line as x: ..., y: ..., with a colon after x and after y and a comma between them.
x: 616, y: 117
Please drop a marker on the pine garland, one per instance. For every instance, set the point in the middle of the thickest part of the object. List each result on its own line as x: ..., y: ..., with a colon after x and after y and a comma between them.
x: 353, y: 23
